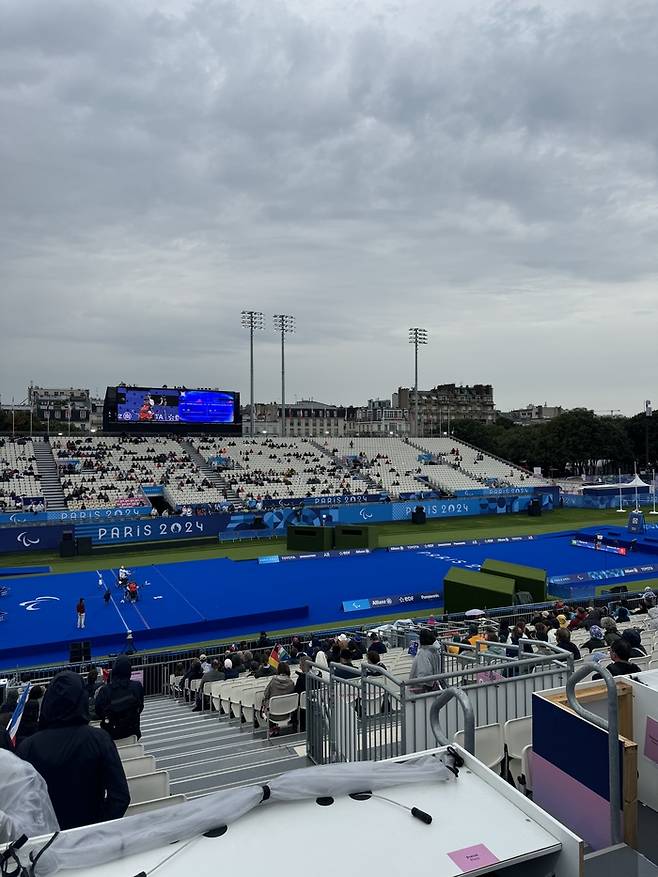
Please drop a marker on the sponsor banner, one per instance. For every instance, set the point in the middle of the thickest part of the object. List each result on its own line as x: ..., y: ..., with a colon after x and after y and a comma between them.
x: 71, y: 516
x: 362, y: 604
x: 310, y: 501
x: 496, y: 491
x: 346, y: 552
x: 492, y: 541
x: 153, y: 530
x: 600, y: 575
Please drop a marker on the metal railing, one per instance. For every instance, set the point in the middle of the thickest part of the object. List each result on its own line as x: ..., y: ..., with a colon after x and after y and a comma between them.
x: 354, y: 715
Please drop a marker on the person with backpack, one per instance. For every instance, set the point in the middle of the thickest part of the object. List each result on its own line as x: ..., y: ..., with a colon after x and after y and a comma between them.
x: 120, y: 702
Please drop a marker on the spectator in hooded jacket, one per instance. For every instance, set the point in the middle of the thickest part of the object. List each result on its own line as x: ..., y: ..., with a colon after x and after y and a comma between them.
x: 119, y: 703
x: 634, y: 640
x: 610, y: 632
x: 80, y: 764
x: 427, y: 661
x: 30, y: 719
x: 595, y: 640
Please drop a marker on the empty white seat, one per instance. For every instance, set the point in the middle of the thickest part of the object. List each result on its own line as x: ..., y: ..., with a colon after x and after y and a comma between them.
x: 149, y: 786
x: 126, y: 741
x: 155, y: 804
x: 133, y: 750
x: 489, y: 744
x: 526, y: 767
x: 143, y: 764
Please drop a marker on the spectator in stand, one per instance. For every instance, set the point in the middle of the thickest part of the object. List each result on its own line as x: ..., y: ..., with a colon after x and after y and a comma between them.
x: 8, y: 706
x: 80, y: 765
x: 375, y: 665
x: 212, y: 675
x: 621, y: 665
x: 634, y: 640
x: 265, y: 668
x: 194, y: 671
x: 610, y: 632
x: 344, y: 662
x: 622, y: 613
x: 579, y: 619
x: 563, y: 641
x: 30, y: 719
x: 427, y: 661
x: 594, y: 616
x: 376, y: 645
x: 647, y: 601
x: 278, y: 686
x: 355, y: 649
x: 92, y: 685
x: 595, y: 640
x: 230, y: 671
x: 205, y: 663
x: 263, y: 641
x: 119, y: 704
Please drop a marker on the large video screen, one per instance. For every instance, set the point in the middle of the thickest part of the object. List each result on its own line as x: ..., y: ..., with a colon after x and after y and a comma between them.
x: 162, y: 406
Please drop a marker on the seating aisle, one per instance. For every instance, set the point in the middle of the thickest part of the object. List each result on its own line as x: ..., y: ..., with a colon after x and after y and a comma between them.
x: 203, y: 753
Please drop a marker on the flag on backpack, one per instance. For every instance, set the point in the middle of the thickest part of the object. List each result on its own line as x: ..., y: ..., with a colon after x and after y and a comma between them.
x: 277, y: 655
x: 17, y: 715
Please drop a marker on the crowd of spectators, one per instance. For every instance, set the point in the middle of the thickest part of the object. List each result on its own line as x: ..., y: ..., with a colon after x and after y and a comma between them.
x: 20, y: 480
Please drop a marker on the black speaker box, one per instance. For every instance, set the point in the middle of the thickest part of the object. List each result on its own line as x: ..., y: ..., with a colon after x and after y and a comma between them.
x: 534, y: 508
x: 67, y: 548
x: 310, y: 538
x: 84, y: 544
x: 80, y: 652
x: 419, y: 516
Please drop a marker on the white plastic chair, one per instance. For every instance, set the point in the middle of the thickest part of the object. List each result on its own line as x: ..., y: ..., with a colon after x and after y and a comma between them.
x: 155, y: 804
x: 134, y: 750
x: 281, y: 709
x: 518, y: 735
x: 126, y: 741
x: 143, y: 764
x: 526, y: 768
x: 147, y: 787
x: 489, y: 744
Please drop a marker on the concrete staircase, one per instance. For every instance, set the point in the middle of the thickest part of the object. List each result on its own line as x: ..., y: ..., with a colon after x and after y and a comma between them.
x: 368, y: 482
x: 50, y: 483
x: 203, y: 752
x: 211, y: 474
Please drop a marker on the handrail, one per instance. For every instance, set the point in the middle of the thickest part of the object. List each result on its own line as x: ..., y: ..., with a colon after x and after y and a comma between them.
x: 463, y: 700
x: 611, y: 725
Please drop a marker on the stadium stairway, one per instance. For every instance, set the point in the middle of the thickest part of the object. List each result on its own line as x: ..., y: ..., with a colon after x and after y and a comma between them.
x: 369, y: 483
x: 202, y: 752
x: 211, y: 474
x: 52, y: 486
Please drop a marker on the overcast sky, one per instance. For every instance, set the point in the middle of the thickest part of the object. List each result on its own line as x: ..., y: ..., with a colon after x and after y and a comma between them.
x: 486, y: 170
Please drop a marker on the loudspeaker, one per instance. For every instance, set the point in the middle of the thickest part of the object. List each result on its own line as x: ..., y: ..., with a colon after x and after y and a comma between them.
x: 67, y: 545
x: 349, y: 536
x: 258, y: 523
x: 80, y: 652
x: 310, y: 538
x: 84, y: 544
x: 534, y: 508
x: 419, y: 516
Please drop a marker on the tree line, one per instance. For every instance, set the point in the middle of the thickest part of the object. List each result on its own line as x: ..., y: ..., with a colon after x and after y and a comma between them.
x: 576, y: 442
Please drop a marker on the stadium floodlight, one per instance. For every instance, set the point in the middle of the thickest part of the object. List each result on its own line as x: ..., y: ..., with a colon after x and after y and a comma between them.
x: 284, y: 323
x: 416, y: 336
x: 252, y: 320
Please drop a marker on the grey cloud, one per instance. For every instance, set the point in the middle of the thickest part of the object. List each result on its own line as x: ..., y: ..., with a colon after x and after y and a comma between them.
x: 485, y: 169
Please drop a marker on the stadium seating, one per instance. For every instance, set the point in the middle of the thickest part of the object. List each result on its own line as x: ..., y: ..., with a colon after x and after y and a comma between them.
x: 280, y: 468
x: 112, y: 469
x: 480, y: 467
x: 19, y: 475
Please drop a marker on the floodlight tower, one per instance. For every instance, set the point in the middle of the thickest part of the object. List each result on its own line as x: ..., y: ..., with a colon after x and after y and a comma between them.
x: 416, y: 336
x: 252, y: 320
x: 283, y: 323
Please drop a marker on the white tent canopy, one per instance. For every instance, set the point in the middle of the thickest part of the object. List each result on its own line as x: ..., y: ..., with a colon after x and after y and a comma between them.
x: 636, y: 482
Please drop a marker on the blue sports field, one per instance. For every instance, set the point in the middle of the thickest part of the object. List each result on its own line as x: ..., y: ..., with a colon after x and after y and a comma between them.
x: 198, y: 601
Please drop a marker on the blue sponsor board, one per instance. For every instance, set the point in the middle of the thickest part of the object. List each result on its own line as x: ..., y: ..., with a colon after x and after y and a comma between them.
x: 310, y: 501
x: 29, y: 538
x: 179, y: 527
x: 73, y: 517
x: 362, y: 604
x: 601, y: 575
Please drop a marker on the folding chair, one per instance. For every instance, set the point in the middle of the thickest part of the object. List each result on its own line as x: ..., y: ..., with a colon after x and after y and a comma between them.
x: 489, y: 744
x: 281, y: 710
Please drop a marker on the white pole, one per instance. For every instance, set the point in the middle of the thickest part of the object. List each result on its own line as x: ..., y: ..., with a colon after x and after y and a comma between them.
x: 653, y: 490
x: 621, y: 503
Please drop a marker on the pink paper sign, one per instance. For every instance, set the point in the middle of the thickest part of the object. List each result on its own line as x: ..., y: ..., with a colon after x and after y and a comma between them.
x: 472, y: 858
x: 651, y: 740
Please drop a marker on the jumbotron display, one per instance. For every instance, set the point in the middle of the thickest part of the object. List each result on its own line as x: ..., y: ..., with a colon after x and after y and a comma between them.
x: 179, y: 410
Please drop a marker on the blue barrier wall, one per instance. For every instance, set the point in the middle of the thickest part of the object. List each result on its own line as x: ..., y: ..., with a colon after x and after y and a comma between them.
x: 577, y: 501
x: 30, y: 538
x: 117, y: 529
